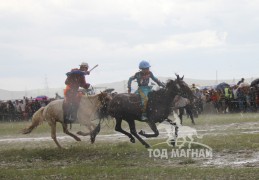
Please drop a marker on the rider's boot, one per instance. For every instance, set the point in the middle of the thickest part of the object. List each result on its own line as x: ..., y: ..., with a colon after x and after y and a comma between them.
x: 71, y: 113
x: 66, y: 114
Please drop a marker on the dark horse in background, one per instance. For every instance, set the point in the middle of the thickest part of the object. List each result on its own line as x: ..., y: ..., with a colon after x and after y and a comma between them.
x: 128, y: 107
x: 191, y: 109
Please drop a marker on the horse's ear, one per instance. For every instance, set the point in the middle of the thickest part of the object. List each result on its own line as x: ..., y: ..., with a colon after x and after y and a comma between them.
x: 182, y: 77
x: 177, y: 76
x: 101, y: 95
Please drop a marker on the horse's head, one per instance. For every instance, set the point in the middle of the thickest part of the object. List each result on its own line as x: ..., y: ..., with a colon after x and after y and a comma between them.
x: 104, y: 98
x: 178, y: 77
x: 179, y: 87
x: 185, y: 89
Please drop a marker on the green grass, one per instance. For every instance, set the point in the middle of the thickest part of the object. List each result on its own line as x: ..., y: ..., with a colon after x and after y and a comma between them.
x: 110, y: 161
x: 123, y: 160
x: 232, y: 142
x: 223, y: 119
x: 83, y: 171
x: 14, y: 128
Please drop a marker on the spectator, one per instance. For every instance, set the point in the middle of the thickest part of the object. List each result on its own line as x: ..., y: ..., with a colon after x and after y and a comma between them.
x: 241, y: 97
x: 58, y: 96
x: 241, y: 81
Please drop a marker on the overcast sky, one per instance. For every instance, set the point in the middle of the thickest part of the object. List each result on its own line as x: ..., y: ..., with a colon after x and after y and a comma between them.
x: 43, y: 39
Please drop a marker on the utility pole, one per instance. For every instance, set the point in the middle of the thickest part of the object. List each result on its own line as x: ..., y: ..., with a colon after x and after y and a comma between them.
x: 124, y: 86
x: 25, y: 91
x: 216, y: 76
x: 46, y: 86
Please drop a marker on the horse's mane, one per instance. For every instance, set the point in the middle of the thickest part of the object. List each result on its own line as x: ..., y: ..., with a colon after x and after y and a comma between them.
x: 157, y: 93
x: 90, y: 96
x: 169, y: 83
x: 163, y: 91
x: 163, y: 96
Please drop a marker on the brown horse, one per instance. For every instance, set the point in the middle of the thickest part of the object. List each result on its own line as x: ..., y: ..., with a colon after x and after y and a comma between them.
x: 128, y: 107
x: 88, y: 110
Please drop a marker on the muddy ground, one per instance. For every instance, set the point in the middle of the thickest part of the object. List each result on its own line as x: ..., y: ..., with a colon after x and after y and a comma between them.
x: 230, y: 158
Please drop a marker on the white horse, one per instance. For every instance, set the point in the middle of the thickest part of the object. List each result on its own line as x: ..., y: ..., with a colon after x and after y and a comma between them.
x: 184, y: 132
x: 87, y: 111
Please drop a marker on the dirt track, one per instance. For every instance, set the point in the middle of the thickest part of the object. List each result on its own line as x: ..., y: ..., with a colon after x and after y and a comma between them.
x: 239, y: 158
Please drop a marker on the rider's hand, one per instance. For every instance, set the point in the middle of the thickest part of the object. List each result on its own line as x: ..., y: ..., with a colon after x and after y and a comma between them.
x: 87, y: 72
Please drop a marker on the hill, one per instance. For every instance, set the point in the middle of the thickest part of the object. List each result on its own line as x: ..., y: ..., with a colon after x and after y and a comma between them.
x: 120, y: 86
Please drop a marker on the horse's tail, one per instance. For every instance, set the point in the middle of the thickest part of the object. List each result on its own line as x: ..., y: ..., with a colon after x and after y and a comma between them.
x: 37, y: 119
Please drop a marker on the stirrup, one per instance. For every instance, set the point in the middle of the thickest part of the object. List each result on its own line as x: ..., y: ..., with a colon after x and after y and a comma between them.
x: 70, y: 119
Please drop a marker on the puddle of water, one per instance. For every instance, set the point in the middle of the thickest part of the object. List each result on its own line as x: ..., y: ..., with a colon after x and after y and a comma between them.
x: 250, y: 132
x: 101, y: 137
x: 245, y: 162
x: 232, y: 160
x: 202, y: 130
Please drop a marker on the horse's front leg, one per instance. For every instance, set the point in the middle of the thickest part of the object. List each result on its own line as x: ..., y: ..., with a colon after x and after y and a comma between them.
x: 119, y: 129
x: 175, y: 126
x: 94, y: 133
x: 152, y: 125
x: 134, y: 132
x: 89, y: 126
x: 53, y: 133
x: 176, y: 129
x: 65, y: 130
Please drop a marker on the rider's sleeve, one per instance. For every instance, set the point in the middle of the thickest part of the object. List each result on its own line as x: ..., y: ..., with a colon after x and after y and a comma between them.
x: 76, y: 71
x: 83, y: 83
x: 130, y: 80
x: 156, y: 80
x: 72, y: 74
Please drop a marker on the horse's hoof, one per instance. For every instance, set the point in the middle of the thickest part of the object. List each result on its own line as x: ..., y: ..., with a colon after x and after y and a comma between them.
x: 147, y: 146
x: 132, y: 140
x: 93, y: 136
x: 141, y: 132
x: 92, y: 139
x: 79, y: 133
x: 173, y: 143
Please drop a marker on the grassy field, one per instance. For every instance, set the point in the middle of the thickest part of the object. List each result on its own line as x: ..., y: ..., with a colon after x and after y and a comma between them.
x: 228, y: 135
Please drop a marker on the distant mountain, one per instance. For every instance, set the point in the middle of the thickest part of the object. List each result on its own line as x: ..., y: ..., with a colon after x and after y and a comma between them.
x: 11, y: 95
x: 120, y: 86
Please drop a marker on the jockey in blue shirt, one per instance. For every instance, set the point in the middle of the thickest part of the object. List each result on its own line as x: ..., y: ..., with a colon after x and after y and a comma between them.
x: 142, y: 78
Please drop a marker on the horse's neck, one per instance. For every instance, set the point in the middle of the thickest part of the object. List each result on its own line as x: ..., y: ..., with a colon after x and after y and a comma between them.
x: 92, y: 99
x: 162, y: 98
x: 90, y: 96
x: 171, y: 94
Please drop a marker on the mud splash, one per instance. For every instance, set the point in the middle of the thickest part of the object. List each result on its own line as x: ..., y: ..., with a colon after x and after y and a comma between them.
x: 240, y: 159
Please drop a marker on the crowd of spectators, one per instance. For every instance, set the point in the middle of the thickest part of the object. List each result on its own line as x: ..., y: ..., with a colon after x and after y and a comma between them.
x: 22, y: 109
x: 236, y: 98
